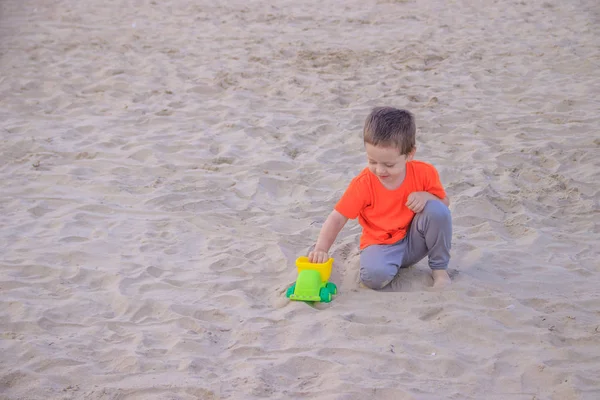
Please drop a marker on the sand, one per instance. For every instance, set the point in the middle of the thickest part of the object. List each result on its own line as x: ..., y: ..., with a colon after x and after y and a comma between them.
x: 164, y: 163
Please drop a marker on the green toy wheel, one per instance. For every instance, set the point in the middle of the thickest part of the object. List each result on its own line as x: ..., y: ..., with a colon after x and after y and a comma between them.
x: 331, y: 287
x: 325, y: 295
x: 290, y: 290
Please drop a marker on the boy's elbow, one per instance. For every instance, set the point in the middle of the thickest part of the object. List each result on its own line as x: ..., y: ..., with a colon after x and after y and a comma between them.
x: 338, y: 218
x: 446, y: 201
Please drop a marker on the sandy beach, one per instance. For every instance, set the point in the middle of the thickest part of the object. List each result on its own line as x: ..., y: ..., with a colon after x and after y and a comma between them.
x: 163, y: 164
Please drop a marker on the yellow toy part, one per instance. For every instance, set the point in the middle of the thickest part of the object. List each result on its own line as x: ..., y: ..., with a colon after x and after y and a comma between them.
x: 312, y: 284
x: 324, y: 269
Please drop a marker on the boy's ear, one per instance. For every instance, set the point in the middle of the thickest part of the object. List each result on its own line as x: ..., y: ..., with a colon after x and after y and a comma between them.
x: 410, y: 155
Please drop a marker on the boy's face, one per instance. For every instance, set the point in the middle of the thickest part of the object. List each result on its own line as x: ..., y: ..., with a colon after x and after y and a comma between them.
x: 387, y: 164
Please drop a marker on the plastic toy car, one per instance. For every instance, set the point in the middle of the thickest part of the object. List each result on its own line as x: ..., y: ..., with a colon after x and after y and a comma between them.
x: 312, y: 284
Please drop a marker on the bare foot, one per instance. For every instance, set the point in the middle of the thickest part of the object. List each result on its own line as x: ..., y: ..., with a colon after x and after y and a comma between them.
x: 441, y: 279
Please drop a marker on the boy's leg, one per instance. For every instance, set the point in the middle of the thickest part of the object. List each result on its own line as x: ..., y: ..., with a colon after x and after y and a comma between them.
x: 430, y: 233
x: 379, y: 264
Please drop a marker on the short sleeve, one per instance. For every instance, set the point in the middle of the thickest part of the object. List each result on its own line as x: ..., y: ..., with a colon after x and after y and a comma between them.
x: 355, y: 198
x: 433, y: 184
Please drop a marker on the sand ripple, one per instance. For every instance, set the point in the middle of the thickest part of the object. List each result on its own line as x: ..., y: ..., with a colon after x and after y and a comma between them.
x: 164, y: 163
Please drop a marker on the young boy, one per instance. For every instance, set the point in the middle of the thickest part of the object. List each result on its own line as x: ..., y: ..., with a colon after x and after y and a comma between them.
x: 400, y: 204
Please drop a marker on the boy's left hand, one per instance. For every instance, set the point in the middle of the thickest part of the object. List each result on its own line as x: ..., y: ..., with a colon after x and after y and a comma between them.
x: 417, y: 200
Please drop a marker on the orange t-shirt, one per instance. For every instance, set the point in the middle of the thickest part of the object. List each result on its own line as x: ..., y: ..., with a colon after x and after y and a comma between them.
x: 381, y: 212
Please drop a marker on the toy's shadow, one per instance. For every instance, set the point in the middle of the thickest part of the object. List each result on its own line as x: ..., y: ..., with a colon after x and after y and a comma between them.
x: 414, y: 279
x: 317, y: 305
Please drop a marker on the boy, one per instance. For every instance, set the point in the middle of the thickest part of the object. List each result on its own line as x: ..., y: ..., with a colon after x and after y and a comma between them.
x: 400, y: 204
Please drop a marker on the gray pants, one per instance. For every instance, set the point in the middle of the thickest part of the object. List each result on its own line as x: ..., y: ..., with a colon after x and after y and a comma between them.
x: 430, y: 233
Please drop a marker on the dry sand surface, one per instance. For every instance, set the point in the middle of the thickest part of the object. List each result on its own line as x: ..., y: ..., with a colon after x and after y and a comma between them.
x: 163, y: 163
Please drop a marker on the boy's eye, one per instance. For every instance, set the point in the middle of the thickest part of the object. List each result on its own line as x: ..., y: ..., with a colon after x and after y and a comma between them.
x: 389, y: 165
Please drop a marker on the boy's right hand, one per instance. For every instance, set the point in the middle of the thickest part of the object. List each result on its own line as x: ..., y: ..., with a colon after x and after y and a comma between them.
x: 318, y: 256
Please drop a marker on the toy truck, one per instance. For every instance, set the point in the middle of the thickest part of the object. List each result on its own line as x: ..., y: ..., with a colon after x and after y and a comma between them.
x: 312, y: 282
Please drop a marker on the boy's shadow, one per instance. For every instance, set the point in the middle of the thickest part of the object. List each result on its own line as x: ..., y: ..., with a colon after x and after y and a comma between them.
x: 414, y: 279
x: 410, y: 279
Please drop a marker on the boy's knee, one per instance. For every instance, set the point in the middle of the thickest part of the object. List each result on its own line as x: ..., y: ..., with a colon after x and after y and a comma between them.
x: 379, y: 265
x: 436, y: 210
x: 377, y: 276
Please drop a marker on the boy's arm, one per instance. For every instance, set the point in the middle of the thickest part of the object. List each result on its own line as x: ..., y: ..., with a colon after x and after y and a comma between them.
x: 445, y: 200
x: 432, y: 190
x: 417, y: 200
x: 331, y: 228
